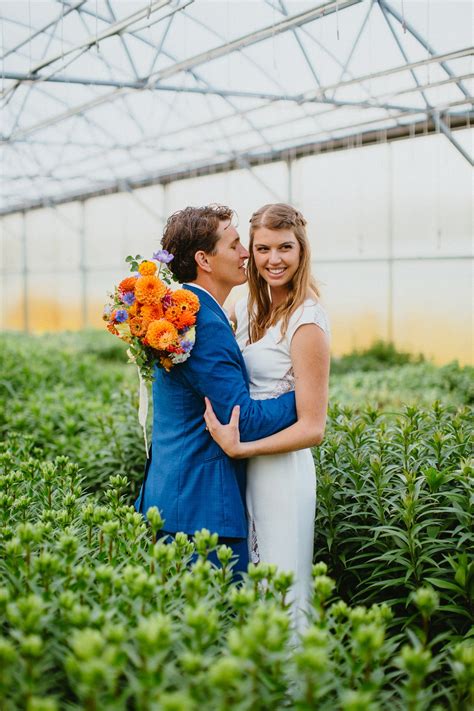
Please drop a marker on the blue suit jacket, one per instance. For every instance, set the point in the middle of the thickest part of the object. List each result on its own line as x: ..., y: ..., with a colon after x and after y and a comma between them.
x: 188, y: 477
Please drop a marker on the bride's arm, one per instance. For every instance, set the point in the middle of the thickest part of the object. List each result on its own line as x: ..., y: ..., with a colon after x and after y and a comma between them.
x: 310, y: 361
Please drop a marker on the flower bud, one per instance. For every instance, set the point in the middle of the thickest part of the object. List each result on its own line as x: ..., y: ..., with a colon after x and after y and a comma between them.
x: 339, y: 610
x: 205, y: 542
x: 153, y: 634
x: 368, y: 639
x: 323, y: 587
x: 224, y: 555
x: 426, y: 600
x: 68, y: 545
x: 26, y: 613
x: 45, y: 703
x: 312, y: 660
x: 154, y: 519
x: 8, y: 653
x: 31, y: 646
x: 175, y: 701
x: 225, y: 672
x: 87, y: 644
x: 357, y: 700
x: 415, y: 661
x: 319, y: 569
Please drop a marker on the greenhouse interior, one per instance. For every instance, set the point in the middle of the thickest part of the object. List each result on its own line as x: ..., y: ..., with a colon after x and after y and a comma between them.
x: 262, y: 511
x: 117, y: 114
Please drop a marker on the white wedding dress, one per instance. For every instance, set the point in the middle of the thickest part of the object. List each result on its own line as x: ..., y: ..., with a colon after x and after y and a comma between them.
x: 281, y: 488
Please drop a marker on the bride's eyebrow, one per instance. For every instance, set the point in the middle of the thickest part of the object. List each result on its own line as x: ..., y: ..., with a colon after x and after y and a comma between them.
x: 282, y: 244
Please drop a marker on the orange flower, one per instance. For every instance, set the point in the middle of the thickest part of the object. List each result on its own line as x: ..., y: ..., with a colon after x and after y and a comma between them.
x: 128, y: 284
x: 160, y: 334
x: 151, y: 312
x: 185, y: 298
x: 179, y: 317
x: 138, y: 327
x: 147, y: 268
x: 112, y: 329
x: 167, y: 363
x: 149, y: 290
x: 133, y: 310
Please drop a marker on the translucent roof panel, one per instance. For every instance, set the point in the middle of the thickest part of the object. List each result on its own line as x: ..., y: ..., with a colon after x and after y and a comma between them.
x: 99, y: 95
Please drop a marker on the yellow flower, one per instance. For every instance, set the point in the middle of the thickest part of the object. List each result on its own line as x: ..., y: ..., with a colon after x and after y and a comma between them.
x: 147, y: 268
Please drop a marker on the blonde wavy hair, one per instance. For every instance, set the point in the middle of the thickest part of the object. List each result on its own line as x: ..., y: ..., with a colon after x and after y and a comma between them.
x: 278, y: 216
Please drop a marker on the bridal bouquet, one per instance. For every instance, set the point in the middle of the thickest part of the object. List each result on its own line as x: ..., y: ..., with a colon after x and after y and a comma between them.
x: 156, y: 320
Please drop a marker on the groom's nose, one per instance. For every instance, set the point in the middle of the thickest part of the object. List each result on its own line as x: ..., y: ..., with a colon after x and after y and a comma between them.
x: 243, y: 252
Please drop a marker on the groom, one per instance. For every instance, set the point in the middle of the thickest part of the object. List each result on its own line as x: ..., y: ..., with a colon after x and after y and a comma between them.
x: 188, y: 477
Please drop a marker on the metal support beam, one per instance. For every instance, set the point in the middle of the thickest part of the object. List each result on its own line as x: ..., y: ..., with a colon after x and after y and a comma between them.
x: 289, y: 167
x: 24, y: 246
x: 421, y: 128
x: 423, y: 42
x: 457, y: 54
x: 254, y: 37
x: 43, y: 29
x: 138, y: 85
x: 301, y: 46
x: 114, y: 29
x: 440, y: 124
x: 156, y: 215
x: 83, y: 264
x: 390, y: 217
x: 196, y: 60
x: 354, y: 45
x: 243, y: 162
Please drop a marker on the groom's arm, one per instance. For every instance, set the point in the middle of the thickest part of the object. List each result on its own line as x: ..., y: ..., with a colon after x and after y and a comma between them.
x: 214, y: 369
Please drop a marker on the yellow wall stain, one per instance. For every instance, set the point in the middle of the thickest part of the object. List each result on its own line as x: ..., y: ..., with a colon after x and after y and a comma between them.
x: 416, y: 333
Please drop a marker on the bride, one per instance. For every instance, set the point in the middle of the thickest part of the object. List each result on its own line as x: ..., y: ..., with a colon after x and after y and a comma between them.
x: 283, y: 333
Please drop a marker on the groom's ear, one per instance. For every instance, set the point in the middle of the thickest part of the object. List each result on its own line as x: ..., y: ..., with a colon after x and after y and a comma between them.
x: 202, y: 261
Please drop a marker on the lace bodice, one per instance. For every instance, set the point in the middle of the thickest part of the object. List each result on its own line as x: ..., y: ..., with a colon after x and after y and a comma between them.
x: 268, y: 361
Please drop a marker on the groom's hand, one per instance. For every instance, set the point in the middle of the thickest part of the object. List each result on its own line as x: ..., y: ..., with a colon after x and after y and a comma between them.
x: 226, y: 436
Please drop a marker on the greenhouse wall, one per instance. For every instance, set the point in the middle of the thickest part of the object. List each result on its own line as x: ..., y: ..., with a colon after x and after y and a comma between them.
x: 390, y: 228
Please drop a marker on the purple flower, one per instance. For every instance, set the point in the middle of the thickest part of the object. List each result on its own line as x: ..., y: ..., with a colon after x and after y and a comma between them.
x: 121, y: 315
x: 166, y: 301
x: 128, y: 298
x: 163, y: 256
x: 186, y: 346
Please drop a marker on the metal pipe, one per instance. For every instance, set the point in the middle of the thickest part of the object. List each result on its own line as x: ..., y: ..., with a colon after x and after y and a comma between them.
x: 419, y: 128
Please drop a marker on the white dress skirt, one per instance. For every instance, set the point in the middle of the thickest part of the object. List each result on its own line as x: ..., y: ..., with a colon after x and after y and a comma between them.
x: 281, y: 488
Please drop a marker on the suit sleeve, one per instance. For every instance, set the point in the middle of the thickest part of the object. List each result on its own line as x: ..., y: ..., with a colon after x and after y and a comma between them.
x: 214, y: 369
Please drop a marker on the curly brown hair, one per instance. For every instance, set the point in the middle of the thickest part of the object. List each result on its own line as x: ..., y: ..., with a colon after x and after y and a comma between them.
x: 190, y: 230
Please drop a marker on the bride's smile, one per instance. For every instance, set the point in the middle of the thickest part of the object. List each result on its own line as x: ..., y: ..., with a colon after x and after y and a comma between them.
x: 277, y: 255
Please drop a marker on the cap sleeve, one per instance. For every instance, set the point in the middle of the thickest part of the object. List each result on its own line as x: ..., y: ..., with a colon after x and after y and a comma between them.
x: 309, y: 312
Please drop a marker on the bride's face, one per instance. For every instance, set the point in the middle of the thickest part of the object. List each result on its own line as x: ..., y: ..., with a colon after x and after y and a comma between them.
x: 276, y: 254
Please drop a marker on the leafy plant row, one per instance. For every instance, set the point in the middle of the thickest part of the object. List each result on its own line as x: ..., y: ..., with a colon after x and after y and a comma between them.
x: 98, y: 612
x: 395, y: 511
x: 74, y: 393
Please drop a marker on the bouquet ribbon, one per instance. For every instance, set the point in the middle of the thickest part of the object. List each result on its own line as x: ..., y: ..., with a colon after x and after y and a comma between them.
x: 142, y: 401
x: 143, y: 408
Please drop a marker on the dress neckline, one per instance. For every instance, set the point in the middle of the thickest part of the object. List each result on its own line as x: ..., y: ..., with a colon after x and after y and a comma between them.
x: 307, y: 302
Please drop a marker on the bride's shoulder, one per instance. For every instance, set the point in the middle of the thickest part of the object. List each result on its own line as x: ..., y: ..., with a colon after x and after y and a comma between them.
x: 310, y: 311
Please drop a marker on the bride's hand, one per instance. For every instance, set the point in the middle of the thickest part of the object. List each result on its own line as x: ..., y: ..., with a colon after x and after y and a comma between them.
x: 226, y: 436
